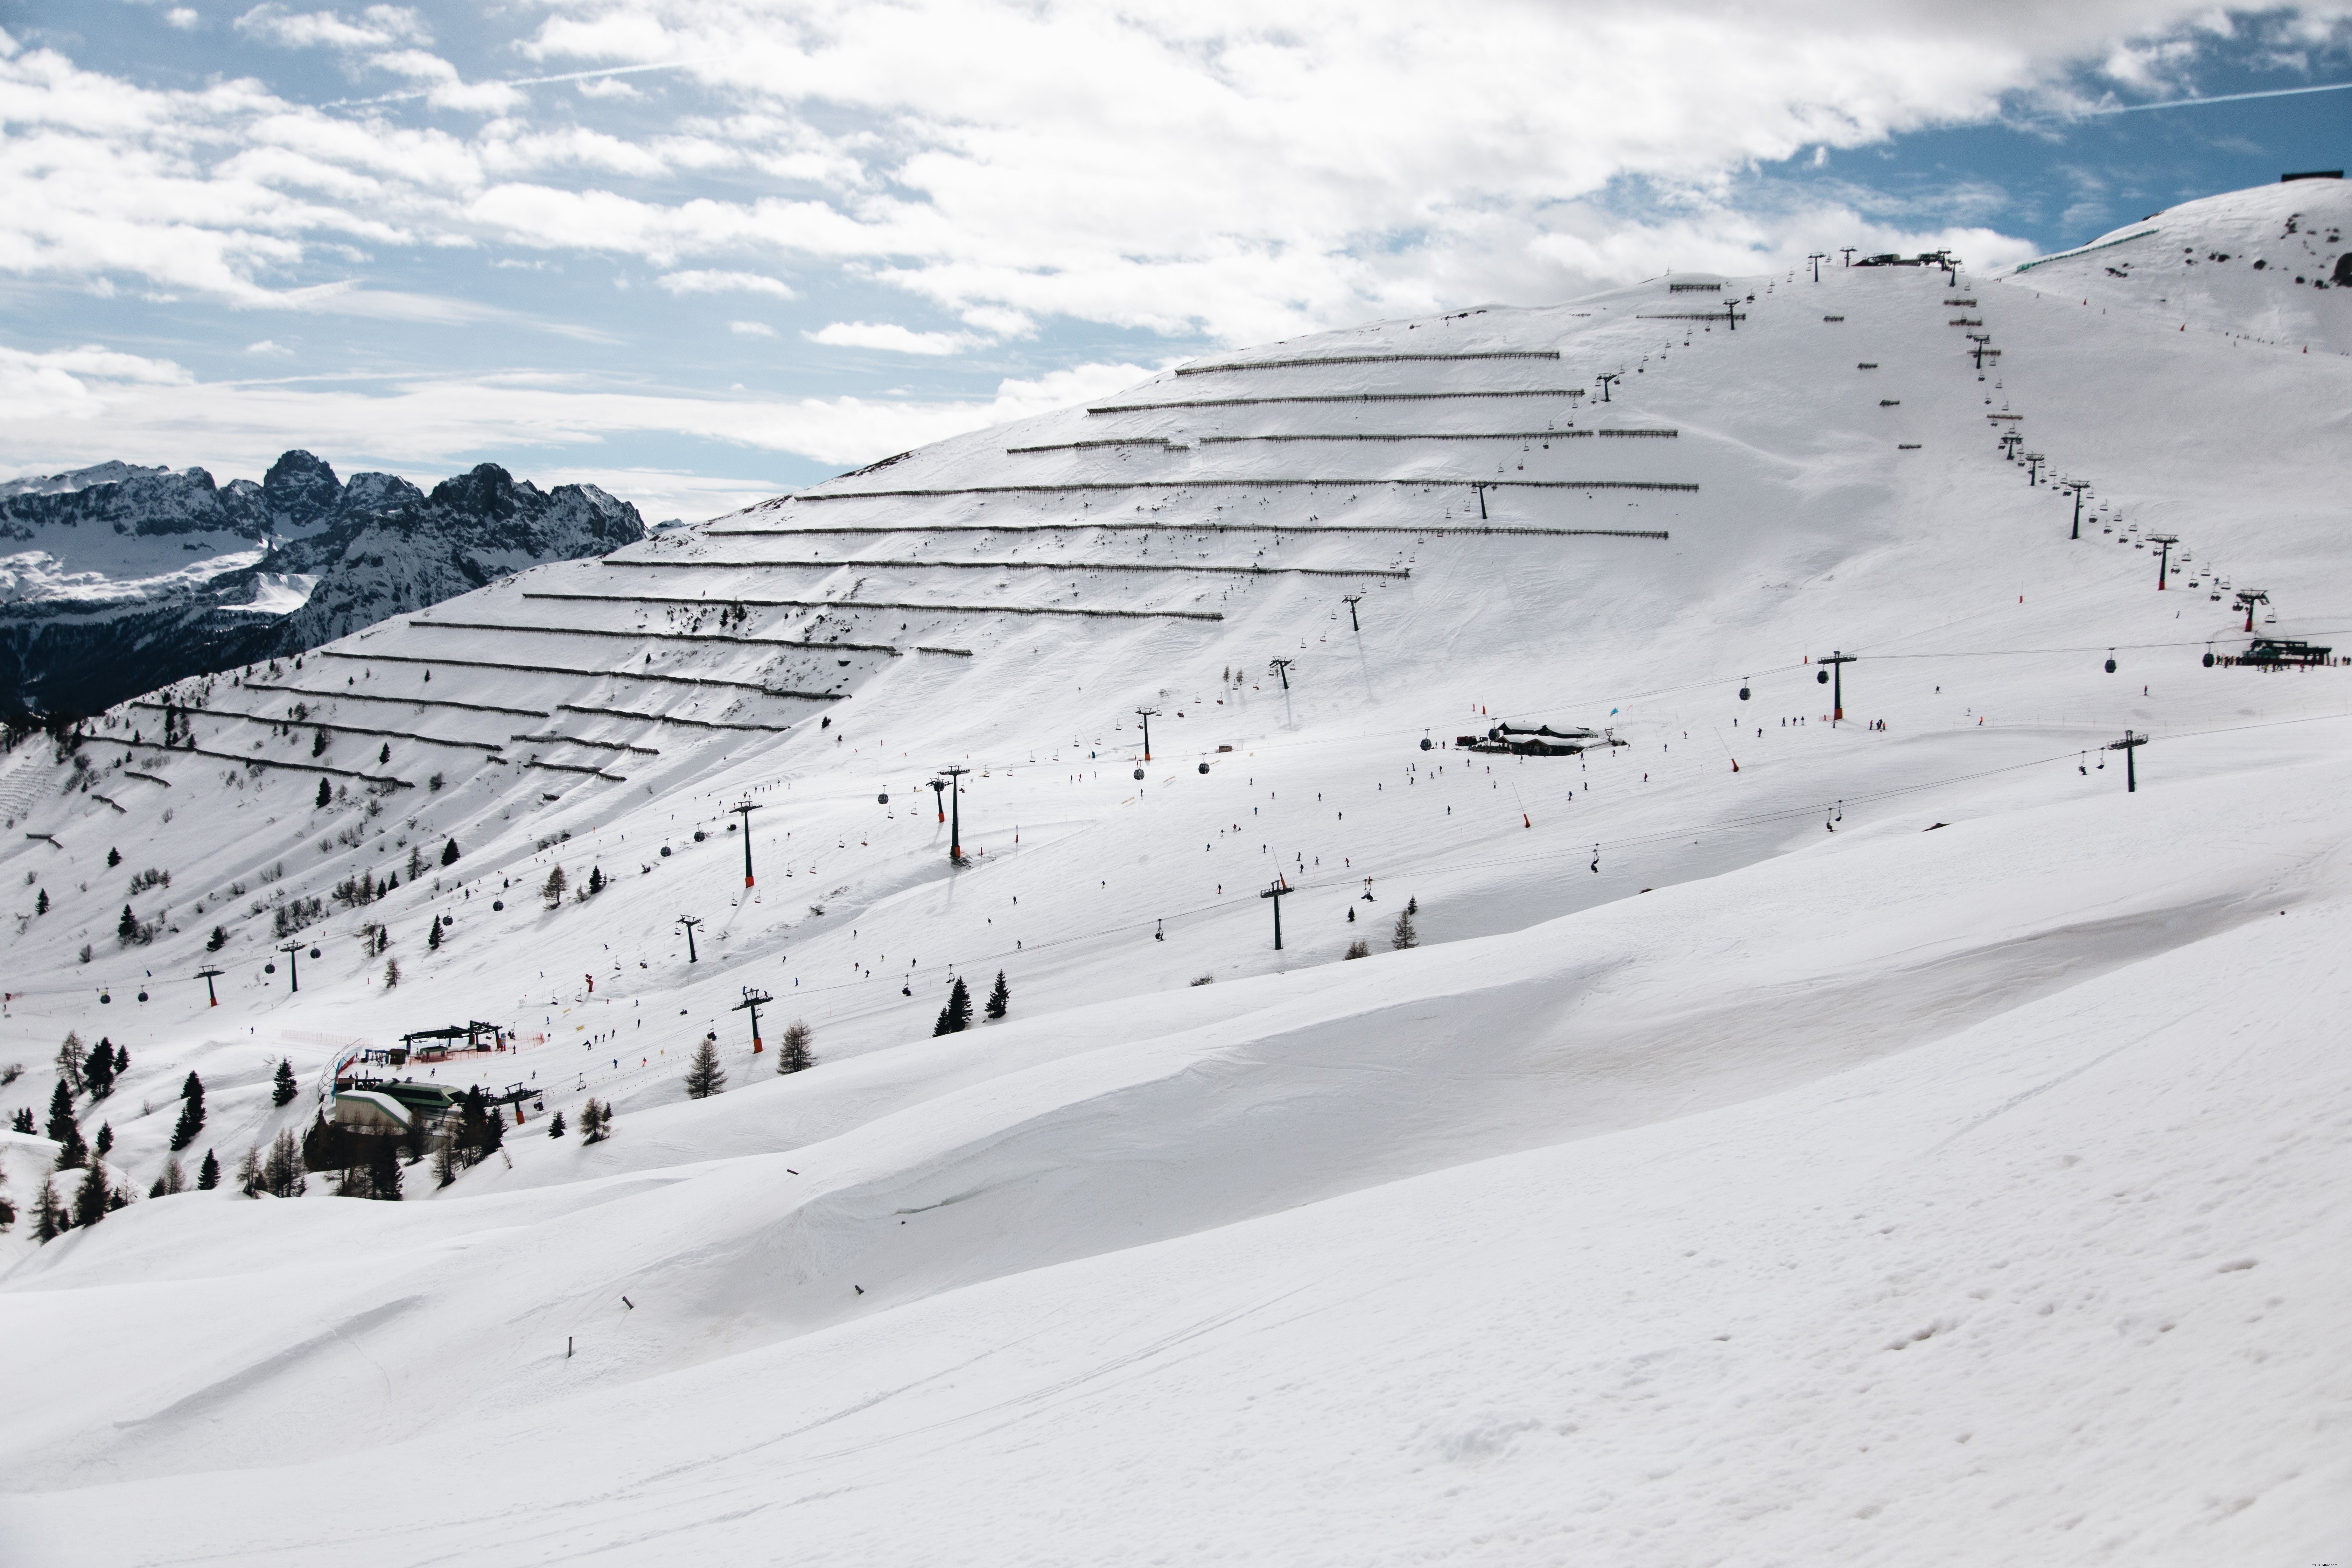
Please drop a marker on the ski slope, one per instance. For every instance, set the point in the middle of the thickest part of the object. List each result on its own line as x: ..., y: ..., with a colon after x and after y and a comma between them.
x: 1906, y: 1146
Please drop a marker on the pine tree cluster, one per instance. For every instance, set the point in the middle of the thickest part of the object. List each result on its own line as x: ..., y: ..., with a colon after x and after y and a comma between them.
x: 956, y: 1016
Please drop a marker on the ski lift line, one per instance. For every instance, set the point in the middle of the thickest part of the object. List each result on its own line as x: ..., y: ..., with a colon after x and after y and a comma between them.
x: 320, y: 724
x: 646, y: 636
x: 987, y: 566
x: 351, y: 695
x: 584, y: 674
x: 1335, y: 397
x: 1446, y: 436
x: 1342, y: 483
x: 1362, y: 359
x: 851, y: 604
x: 1805, y: 812
x: 1164, y: 527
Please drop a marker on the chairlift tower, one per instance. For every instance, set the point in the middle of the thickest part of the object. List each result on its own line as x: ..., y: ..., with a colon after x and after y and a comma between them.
x: 208, y: 974
x: 1281, y: 666
x: 2078, y: 486
x: 745, y: 808
x: 1349, y: 600
x: 1847, y: 251
x: 1277, y: 892
x: 2164, y: 543
x: 292, y: 950
x: 1817, y: 258
x: 2248, y: 599
x: 955, y: 812
x: 690, y: 922
x: 2128, y: 745
x: 939, y: 798
x: 754, y: 1000
x: 1145, y: 714
x: 1837, y: 662
x: 2033, y: 461
x: 1605, y: 379
x: 1480, y: 485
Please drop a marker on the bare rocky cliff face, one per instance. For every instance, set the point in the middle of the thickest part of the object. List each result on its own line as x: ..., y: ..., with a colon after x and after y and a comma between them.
x: 117, y: 579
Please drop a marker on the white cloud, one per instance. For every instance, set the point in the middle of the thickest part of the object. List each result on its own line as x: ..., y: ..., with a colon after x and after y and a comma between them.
x: 605, y: 87
x: 889, y: 336
x: 89, y: 404
x: 727, y: 283
x: 180, y: 16
x: 752, y: 329
x: 377, y: 27
x: 266, y: 349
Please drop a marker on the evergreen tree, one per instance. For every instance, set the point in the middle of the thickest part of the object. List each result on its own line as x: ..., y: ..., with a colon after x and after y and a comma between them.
x: 385, y: 755
x: 1404, y: 935
x: 383, y: 1171
x: 391, y: 972
x: 433, y: 935
x: 282, y: 1086
x: 449, y: 853
x: 72, y: 1151
x: 704, y: 1075
x: 1000, y: 997
x: 22, y: 1121
x: 494, y: 1129
x: 41, y: 903
x: 192, y: 1114
x: 551, y: 890
x: 105, y: 1144
x: 90, y: 1204
x: 113, y: 858
x: 51, y: 1218
x: 98, y: 1070
x: 595, y: 1122
x: 126, y: 929
x: 555, y: 1126
x: 281, y: 1172
x: 956, y: 1016
x: 8, y: 1209
x: 792, y: 1055
x: 219, y: 940
x: 61, y: 1113
x: 208, y: 1173
x: 122, y: 1061
x: 595, y: 881
x: 326, y: 794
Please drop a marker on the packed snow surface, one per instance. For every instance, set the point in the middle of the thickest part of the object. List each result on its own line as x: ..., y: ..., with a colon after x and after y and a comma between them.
x: 1790, y: 1142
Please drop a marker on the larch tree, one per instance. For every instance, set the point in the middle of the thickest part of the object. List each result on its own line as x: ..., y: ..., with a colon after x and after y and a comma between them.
x: 704, y: 1075
x: 793, y: 1053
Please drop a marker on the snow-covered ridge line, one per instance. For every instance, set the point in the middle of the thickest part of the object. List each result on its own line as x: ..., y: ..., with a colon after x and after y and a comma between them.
x: 1332, y: 397
x: 2081, y: 250
x: 1360, y: 358
x: 1101, y: 484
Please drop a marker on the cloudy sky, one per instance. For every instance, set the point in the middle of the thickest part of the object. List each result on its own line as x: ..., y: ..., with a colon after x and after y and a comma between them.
x: 703, y: 250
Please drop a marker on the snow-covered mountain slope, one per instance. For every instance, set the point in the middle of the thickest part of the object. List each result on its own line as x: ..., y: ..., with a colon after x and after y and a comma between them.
x: 2269, y: 264
x: 117, y: 579
x: 1904, y: 1145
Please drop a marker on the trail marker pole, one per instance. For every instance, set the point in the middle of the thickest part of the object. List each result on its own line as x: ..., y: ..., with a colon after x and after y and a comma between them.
x: 2078, y: 486
x: 955, y: 810
x: 1281, y: 666
x: 753, y: 1001
x: 1145, y: 714
x: 746, y: 808
x: 2129, y: 744
x: 1605, y: 379
x: 2164, y: 543
x: 208, y: 974
x: 293, y: 949
x: 690, y: 922
x: 1277, y: 892
x: 1349, y: 600
x: 1837, y: 662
